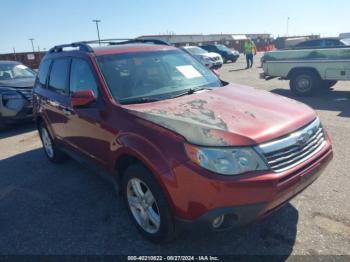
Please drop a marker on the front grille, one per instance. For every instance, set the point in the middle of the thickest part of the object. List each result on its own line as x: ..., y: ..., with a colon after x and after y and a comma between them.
x: 27, y: 93
x: 288, y: 152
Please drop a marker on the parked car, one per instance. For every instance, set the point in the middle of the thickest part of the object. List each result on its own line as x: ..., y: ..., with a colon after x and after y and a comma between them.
x: 322, y: 43
x: 308, y: 69
x: 16, y: 85
x: 226, y: 53
x: 209, y: 59
x: 185, y: 147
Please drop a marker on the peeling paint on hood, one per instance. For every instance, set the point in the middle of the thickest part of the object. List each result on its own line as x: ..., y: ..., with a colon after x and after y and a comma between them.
x: 233, y: 115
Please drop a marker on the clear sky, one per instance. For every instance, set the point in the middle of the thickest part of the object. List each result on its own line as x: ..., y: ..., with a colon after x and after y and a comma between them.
x: 53, y: 22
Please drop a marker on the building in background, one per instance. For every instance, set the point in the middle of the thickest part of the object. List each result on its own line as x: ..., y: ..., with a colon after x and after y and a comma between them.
x: 262, y: 41
x: 28, y: 58
x: 344, y: 35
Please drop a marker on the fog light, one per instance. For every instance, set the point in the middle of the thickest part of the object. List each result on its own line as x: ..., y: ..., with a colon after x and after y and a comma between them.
x: 217, y: 222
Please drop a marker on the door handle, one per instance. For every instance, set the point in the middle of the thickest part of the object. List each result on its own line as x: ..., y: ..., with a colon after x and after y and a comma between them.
x: 67, y: 111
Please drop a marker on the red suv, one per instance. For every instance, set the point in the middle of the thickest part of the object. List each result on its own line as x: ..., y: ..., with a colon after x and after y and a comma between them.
x: 184, y: 147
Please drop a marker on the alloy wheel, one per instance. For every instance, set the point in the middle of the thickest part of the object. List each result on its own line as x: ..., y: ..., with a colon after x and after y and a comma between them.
x: 304, y: 83
x: 143, y: 205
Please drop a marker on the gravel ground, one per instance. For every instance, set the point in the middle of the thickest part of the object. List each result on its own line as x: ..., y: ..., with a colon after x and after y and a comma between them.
x: 67, y: 209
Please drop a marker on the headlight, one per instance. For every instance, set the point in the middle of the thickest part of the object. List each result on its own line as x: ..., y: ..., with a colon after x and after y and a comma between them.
x: 9, y: 94
x: 226, y: 161
x: 205, y: 58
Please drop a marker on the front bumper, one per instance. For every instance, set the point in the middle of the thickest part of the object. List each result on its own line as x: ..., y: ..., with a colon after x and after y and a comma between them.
x: 216, y: 65
x: 243, y: 199
x: 262, y: 76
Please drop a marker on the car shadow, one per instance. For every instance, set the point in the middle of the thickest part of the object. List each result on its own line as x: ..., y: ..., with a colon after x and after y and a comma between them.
x: 67, y: 209
x: 17, y: 129
x: 239, y: 69
x: 332, y: 100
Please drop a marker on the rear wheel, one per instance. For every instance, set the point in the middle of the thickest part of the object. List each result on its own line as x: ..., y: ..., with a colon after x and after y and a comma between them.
x: 51, y: 150
x: 147, y: 204
x: 304, y: 83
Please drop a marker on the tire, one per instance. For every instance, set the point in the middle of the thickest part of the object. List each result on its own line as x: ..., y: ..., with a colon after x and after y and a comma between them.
x: 51, y: 150
x: 160, y: 222
x: 327, y: 84
x: 304, y: 83
x: 224, y: 60
x: 2, y: 126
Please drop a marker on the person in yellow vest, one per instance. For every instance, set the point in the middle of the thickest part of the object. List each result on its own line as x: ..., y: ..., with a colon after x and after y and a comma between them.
x: 250, y: 52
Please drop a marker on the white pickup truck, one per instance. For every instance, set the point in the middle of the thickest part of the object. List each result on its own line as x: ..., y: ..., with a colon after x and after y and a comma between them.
x: 308, y: 69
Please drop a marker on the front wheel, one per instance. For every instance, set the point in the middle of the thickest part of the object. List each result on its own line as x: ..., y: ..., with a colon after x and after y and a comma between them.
x: 304, y: 83
x: 147, y: 204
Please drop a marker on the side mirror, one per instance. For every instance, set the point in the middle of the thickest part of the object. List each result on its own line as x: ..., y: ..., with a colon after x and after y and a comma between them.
x: 83, y: 98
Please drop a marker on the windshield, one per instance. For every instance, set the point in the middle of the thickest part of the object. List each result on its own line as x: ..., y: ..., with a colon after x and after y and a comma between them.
x: 223, y: 48
x: 154, y: 75
x: 196, y: 50
x: 15, y: 71
x: 346, y: 41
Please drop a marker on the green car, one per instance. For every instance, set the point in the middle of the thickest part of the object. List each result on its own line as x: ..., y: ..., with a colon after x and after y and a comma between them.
x: 308, y: 69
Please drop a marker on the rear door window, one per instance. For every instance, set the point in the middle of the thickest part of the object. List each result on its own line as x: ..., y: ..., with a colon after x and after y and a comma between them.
x: 82, y: 77
x: 333, y: 42
x: 311, y: 43
x: 59, y: 75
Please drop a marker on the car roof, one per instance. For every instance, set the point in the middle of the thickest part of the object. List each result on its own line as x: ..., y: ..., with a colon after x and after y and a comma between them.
x: 130, y: 48
x: 318, y: 39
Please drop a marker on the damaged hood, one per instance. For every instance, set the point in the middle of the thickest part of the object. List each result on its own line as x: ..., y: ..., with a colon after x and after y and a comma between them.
x: 233, y: 115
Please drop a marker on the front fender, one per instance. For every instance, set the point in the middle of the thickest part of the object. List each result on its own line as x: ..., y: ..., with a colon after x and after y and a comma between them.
x: 142, y: 149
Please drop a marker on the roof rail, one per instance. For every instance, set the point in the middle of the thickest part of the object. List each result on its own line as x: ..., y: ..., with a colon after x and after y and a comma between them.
x: 124, y: 41
x: 85, y: 45
x: 144, y: 41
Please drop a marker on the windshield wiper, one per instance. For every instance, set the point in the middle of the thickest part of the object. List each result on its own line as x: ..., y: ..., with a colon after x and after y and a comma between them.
x: 139, y: 100
x: 191, y: 91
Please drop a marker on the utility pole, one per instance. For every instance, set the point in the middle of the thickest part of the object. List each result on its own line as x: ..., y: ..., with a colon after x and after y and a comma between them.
x: 288, y: 18
x: 98, y: 30
x: 39, y: 53
x: 14, y: 53
x: 31, y: 40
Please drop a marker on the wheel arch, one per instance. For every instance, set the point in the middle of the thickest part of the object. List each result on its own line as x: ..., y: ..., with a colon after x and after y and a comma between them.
x: 39, y: 119
x: 128, y: 158
x: 296, y: 70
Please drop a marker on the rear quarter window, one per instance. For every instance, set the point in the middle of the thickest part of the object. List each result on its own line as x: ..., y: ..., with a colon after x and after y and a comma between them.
x: 43, y: 72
